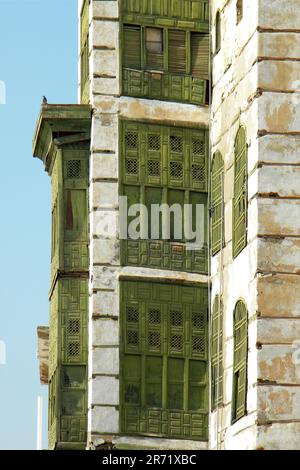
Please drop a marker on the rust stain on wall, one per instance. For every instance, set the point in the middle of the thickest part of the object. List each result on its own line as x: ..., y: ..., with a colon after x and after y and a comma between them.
x: 281, y: 402
x: 278, y: 368
x: 280, y: 118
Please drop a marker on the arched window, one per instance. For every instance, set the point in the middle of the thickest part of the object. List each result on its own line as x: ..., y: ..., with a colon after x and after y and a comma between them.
x: 240, y: 338
x: 217, y: 353
x: 240, y: 193
x: 239, y: 11
x: 217, y: 203
x: 218, y: 31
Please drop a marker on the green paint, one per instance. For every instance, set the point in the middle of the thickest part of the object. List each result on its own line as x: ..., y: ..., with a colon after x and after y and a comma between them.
x: 240, y: 337
x: 62, y: 142
x: 161, y: 164
x: 217, y: 354
x: 240, y: 197
x: 217, y: 204
x: 174, y: 68
x: 164, y: 386
x: 193, y: 14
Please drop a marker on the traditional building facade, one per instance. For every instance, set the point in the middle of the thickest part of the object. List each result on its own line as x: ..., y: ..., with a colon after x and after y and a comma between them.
x: 153, y: 344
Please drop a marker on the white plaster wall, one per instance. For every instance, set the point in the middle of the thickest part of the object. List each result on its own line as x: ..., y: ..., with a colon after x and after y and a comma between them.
x: 235, y: 80
x: 105, y: 270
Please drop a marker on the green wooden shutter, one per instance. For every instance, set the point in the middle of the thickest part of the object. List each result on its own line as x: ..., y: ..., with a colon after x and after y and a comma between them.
x: 177, y: 51
x: 200, y: 55
x: 217, y: 203
x: 217, y: 353
x: 68, y: 304
x: 194, y: 11
x: 163, y: 361
x: 132, y: 47
x: 240, y: 199
x: 162, y: 164
x: 240, y: 337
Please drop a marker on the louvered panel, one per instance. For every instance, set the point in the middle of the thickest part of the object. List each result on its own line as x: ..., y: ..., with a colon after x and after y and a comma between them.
x: 188, y: 10
x: 132, y: 47
x: 217, y: 205
x: 239, y: 392
x: 161, y: 164
x: 217, y: 353
x: 164, y: 388
x: 240, y: 193
x: 154, y: 60
x: 164, y: 86
x: 177, y: 51
x: 68, y: 314
x: 200, y: 55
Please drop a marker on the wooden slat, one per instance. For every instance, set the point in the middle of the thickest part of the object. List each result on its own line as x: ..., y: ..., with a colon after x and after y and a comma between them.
x: 177, y: 51
x: 132, y: 47
x: 200, y: 55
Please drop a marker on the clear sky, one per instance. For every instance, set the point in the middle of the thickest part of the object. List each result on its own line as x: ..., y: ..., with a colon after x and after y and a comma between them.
x: 38, y: 56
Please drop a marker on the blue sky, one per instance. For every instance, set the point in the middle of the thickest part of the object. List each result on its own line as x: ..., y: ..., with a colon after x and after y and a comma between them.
x: 38, y: 56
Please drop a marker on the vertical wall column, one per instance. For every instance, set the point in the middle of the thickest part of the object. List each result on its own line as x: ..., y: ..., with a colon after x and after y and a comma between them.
x: 103, y: 400
x: 279, y: 225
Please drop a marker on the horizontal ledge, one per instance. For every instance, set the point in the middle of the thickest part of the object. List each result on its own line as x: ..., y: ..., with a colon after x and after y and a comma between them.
x: 104, y: 180
x: 98, y: 316
x: 106, y: 405
x: 94, y: 376
x: 263, y: 132
x: 104, y: 75
x: 103, y: 48
x: 262, y: 29
x: 270, y: 383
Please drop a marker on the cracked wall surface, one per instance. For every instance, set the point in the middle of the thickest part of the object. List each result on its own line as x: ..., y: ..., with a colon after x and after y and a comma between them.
x: 256, y: 84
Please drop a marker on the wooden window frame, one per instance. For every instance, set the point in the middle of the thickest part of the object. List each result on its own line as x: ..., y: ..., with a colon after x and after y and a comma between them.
x: 165, y: 64
x: 217, y: 353
x: 176, y: 345
x: 240, y: 197
x: 240, y: 361
x: 217, y: 204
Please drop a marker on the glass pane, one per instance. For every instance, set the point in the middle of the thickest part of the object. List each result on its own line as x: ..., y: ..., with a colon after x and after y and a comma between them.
x: 154, y: 381
x: 175, y: 383
x: 154, y: 40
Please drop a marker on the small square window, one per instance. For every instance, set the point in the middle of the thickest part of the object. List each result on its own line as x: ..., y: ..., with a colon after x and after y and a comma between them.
x: 154, y: 40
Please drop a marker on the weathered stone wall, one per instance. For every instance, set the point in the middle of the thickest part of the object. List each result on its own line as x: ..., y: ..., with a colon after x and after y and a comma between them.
x: 278, y: 225
x: 234, y: 104
x: 256, y: 83
x: 105, y: 269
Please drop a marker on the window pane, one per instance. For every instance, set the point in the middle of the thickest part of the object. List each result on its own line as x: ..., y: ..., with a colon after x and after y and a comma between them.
x: 154, y: 40
x: 154, y: 48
